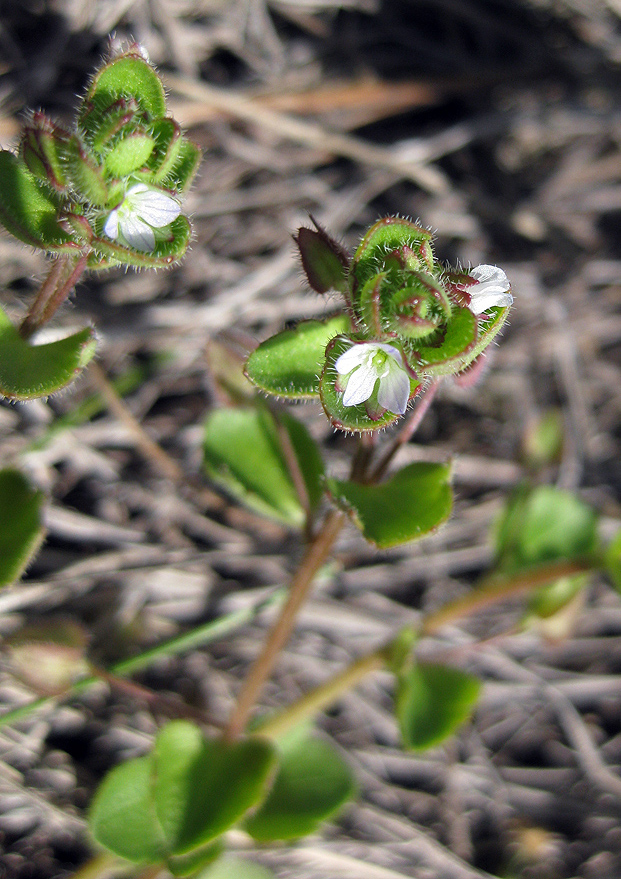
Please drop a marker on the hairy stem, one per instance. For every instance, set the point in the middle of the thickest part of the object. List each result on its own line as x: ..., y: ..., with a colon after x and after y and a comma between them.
x: 315, y: 556
x: 407, y: 431
x: 54, y: 290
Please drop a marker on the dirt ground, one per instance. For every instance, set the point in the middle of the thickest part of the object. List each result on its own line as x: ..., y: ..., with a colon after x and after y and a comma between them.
x: 498, y: 124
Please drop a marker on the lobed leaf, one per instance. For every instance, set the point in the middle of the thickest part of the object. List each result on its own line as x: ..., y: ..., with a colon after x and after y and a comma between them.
x: 413, y: 502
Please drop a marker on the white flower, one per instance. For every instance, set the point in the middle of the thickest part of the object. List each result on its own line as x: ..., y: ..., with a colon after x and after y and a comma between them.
x: 492, y: 289
x: 368, y: 362
x: 142, y: 210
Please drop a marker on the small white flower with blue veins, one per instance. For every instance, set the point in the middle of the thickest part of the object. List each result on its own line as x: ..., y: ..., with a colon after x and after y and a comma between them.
x: 367, y: 363
x: 142, y: 210
x: 492, y: 289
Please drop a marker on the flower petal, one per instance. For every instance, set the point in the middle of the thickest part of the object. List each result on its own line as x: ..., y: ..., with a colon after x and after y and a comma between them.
x: 485, y: 274
x: 394, y: 390
x: 359, y: 386
x: 137, y: 233
x: 488, y: 299
x: 353, y: 357
x: 154, y: 207
x: 111, y: 226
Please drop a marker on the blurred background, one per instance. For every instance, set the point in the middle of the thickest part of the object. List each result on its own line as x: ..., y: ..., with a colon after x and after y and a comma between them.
x: 498, y: 124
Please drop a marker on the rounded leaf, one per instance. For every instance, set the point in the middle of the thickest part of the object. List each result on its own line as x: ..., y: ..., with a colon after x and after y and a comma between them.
x: 290, y: 363
x: 451, y: 354
x: 203, y: 786
x: 128, y: 75
x: 129, y: 154
x: 413, y: 502
x: 312, y: 783
x: 231, y: 867
x: 432, y: 702
x: 122, y: 817
x: 28, y: 371
x: 390, y: 234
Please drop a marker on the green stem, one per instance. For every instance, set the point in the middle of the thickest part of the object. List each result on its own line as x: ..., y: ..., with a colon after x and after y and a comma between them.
x: 325, y: 695
x: 491, y: 591
x: 205, y: 634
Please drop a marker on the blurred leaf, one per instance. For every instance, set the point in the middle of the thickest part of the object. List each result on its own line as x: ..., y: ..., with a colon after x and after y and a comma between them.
x: 312, y: 783
x: 243, y: 450
x: 413, y: 502
x: 197, y: 859
x: 203, y: 786
x: 432, y: 702
x: 28, y: 371
x: 122, y: 817
x: 290, y: 363
x: 28, y: 210
x: 21, y: 529
x: 231, y: 867
x: 612, y: 560
x: 172, y: 804
x: 542, y: 525
x: 129, y: 154
x: 543, y: 441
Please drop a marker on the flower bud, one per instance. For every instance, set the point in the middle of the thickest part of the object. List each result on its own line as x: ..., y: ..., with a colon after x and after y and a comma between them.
x: 40, y: 149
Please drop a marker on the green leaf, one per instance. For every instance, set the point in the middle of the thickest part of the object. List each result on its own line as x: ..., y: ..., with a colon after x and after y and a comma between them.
x: 389, y: 234
x: 290, y: 363
x: 452, y: 352
x: 197, y: 859
x: 312, y: 783
x: 364, y: 417
x: 231, y: 867
x: 432, y: 702
x: 612, y: 560
x: 28, y: 371
x: 86, y: 174
x: 173, y: 804
x: 27, y: 209
x: 129, y: 154
x: 122, y: 816
x: 204, y: 786
x: 489, y: 325
x: 167, y: 250
x: 185, y: 166
x: 244, y: 454
x: 413, y: 502
x: 128, y: 76
x: 544, y: 525
x: 21, y: 530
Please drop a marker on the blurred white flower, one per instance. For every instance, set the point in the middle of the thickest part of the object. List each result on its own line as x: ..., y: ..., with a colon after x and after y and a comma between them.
x: 366, y: 363
x: 492, y: 289
x: 142, y: 210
